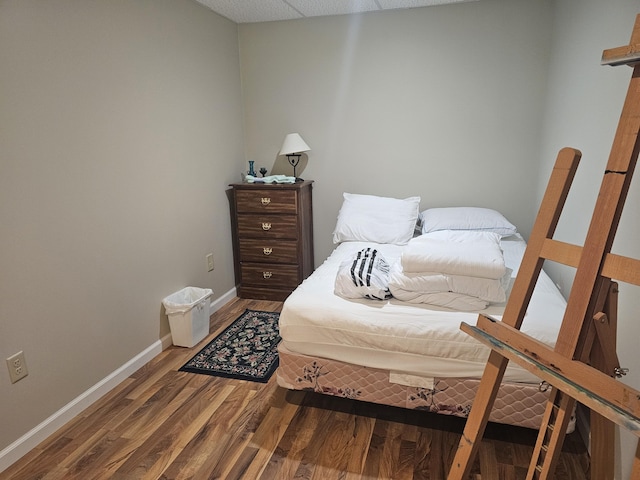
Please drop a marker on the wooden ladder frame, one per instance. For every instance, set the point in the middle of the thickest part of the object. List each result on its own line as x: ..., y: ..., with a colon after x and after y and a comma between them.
x: 588, y: 328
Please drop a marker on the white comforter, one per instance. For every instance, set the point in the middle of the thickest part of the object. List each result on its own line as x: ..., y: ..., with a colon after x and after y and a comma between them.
x: 459, y: 292
x: 461, y: 270
x: 463, y: 252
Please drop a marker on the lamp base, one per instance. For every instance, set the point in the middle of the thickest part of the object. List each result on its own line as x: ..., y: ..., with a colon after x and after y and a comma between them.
x: 298, y: 179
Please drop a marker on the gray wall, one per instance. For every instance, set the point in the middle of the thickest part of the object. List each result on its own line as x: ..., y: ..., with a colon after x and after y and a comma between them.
x: 120, y: 127
x: 582, y: 111
x: 443, y: 102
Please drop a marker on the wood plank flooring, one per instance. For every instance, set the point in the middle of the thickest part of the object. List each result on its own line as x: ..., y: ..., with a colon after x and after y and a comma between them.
x: 164, y: 424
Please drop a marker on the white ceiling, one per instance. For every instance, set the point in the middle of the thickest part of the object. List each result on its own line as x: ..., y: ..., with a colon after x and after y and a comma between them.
x: 250, y: 11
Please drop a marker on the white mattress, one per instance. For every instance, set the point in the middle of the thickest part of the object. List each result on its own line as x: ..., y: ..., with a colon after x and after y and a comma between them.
x: 406, y: 339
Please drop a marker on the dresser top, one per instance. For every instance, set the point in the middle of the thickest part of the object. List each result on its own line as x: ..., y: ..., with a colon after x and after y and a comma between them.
x: 248, y: 185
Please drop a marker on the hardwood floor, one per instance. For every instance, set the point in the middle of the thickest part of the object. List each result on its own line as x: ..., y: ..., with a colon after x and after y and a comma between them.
x: 165, y: 424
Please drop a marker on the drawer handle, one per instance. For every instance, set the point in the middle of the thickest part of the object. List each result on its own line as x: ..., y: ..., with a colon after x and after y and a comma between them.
x: 266, y: 274
x: 265, y: 200
x: 266, y: 225
x: 267, y: 250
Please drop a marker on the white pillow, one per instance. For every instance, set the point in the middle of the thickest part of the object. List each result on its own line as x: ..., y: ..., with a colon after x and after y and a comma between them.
x: 466, y: 218
x: 367, y: 218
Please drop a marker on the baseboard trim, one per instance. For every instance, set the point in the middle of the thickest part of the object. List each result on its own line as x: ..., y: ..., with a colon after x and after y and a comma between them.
x: 39, y: 433
x: 221, y: 301
x: 35, y: 436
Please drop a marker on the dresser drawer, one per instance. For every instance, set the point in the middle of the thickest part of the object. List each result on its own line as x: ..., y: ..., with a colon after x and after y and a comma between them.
x: 281, y: 251
x: 270, y: 275
x: 266, y: 200
x: 268, y: 226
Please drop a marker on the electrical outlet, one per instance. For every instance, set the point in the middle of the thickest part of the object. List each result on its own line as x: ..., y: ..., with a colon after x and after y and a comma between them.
x: 210, y: 265
x: 17, y: 367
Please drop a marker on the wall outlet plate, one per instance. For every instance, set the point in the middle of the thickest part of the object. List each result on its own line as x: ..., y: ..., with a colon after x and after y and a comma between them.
x: 17, y: 367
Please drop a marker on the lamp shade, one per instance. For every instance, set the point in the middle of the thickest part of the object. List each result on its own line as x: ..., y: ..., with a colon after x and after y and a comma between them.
x: 293, y: 143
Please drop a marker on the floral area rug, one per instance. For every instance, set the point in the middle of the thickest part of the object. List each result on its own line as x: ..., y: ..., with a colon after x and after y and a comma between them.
x: 245, y: 350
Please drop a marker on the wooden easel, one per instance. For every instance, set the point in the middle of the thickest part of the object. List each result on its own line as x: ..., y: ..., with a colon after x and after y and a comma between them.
x: 588, y: 326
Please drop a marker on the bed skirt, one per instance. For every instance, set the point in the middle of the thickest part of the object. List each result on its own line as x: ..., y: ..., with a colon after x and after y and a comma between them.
x: 520, y: 404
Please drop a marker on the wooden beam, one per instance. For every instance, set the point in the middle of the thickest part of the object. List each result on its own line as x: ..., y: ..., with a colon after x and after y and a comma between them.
x: 627, y: 55
x: 603, y: 430
x: 546, y: 222
x: 596, y: 390
x: 617, y: 267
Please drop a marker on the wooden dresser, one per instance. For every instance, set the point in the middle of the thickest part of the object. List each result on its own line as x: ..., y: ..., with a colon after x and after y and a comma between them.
x: 272, y: 238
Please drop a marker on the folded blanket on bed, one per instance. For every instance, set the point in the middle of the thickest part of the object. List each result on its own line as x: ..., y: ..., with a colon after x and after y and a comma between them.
x: 366, y: 275
x: 454, y: 301
x: 415, y: 287
x: 460, y: 252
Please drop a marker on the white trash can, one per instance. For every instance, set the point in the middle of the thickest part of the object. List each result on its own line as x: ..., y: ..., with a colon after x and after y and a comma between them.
x: 188, y: 311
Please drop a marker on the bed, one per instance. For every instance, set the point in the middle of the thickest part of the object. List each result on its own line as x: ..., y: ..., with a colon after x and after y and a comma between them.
x: 408, y: 353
